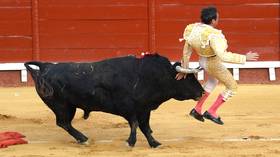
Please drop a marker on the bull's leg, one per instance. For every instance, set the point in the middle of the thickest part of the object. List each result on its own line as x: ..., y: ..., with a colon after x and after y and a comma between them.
x: 64, y: 116
x: 144, y: 125
x: 86, y: 114
x: 148, y: 117
x: 133, y: 123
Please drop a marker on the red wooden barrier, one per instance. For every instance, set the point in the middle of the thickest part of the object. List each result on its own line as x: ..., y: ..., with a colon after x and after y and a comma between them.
x: 15, y: 30
x: 247, y: 24
x: 92, y: 30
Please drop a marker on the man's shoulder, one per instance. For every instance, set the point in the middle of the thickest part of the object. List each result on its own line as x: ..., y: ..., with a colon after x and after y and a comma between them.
x: 206, y: 29
x: 211, y: 30
x: 189, y: 27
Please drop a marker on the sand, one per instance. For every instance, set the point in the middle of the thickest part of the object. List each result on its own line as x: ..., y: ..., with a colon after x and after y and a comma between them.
x: 252, y: 128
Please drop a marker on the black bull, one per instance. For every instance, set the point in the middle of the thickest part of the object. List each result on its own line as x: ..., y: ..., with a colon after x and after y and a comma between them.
x: 127, y: 86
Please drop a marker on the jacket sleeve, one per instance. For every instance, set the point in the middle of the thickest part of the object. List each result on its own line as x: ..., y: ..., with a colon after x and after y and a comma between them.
x: 187, y: 51
x: 219, y: 45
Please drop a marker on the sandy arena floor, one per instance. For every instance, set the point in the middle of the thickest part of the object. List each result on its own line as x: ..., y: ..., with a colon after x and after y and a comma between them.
x: 252, y: 128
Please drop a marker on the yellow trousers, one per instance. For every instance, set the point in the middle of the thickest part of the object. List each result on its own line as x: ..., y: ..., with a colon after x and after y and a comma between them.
x: 217, y: 72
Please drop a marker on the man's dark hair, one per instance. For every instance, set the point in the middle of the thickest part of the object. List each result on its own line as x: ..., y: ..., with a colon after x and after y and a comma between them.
x: 208, y: 14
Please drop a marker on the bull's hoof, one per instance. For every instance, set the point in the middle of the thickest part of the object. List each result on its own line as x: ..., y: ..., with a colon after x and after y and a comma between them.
x: 83, y: 141
x: 150, y: 131
x: 130, y: 145
x: 154, y: 144
x: 86, y: 115
x: 131, y: 142
x: 86, y: 143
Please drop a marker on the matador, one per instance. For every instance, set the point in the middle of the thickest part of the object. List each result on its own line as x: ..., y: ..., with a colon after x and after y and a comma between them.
x: 211, y: 46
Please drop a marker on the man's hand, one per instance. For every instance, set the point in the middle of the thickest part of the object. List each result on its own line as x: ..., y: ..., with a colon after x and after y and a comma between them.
x: 252, y: 56
x: 179, y: 76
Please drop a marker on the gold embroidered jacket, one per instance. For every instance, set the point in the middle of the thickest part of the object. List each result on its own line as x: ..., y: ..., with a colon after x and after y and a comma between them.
x: 207, y: 42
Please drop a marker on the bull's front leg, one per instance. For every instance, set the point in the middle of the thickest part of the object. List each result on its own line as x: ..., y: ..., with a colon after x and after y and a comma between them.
x: 144, y: 126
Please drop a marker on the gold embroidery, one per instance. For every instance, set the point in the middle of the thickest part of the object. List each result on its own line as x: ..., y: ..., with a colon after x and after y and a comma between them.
x: 215, y: 68
x: 210, y: 43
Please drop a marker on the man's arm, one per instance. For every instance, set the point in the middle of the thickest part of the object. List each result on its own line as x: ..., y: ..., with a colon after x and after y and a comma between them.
x: 187, y: 51
x: 219, y: 46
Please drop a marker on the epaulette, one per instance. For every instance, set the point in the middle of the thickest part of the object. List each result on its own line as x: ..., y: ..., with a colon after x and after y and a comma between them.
x: 188, y: 30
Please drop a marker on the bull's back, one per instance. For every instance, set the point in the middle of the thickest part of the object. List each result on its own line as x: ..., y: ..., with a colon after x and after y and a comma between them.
x: 109, y: 69
x: 85, y: 79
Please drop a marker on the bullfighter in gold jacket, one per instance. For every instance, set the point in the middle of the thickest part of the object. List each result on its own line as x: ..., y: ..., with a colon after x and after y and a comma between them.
x: 211, y: 45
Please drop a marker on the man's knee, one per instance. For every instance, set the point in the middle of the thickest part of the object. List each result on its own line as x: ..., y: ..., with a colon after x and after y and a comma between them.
x: 230, y: 92
x: 210, y: 85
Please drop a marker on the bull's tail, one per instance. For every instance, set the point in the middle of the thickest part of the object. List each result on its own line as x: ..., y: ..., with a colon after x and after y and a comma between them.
x: 27, y: 64
x: 43, y: 88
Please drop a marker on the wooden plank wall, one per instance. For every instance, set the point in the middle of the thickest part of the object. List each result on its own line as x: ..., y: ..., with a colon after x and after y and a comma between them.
x: 15, y: 30
x: 88, y: 30
x: 247, y: 24
x: 92, y: 30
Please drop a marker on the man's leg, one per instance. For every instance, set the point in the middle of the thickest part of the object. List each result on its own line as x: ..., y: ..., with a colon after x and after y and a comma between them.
x: 221, y: 73
x: 219, y: 101
x: 209, y: 86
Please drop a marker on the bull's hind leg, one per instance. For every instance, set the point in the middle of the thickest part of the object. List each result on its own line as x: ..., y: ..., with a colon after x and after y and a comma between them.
x: 64, y: 115
x: 133, y: 123
x: 148, y: 117
x: 143, y: 119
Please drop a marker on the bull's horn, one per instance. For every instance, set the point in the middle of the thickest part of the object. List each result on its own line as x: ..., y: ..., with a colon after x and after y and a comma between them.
x: 187, y: 71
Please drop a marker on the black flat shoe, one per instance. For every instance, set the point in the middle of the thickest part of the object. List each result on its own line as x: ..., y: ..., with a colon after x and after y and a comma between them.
x: 218, y: 120
x: 196, y: 115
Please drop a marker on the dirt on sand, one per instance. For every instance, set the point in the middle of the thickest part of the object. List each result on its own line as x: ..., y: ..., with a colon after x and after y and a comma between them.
x: 252, y: 128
